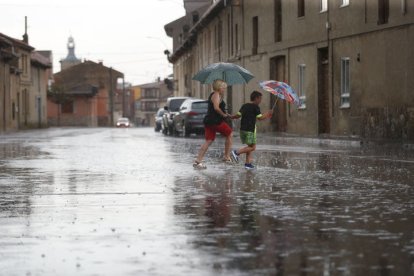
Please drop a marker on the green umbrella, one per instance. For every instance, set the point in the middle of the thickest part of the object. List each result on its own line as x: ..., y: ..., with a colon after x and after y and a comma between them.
x: 229, y: 72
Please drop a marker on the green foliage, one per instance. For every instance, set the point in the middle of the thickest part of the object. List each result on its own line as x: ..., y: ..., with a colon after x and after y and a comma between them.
x: 57, y: 94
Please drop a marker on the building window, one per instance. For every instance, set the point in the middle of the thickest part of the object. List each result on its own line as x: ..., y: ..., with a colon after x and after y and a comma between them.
x: 150, y: 93
x: 14, y: 111
x: 301, y: 91
x: 68, y: 107
x: 383, y: 11
x: 345, y: 83
x: 278, y: 20
x: 344, y: 3
x: 255, y: 24
x: 24, y: 64
x: 231, y: 32
x: 236, y: 38
x: 301, y: 8
x: 324, y: 5
x: 220, y: 33
x: 403, y: 6
x: 186, y: 81
x: 229, y: 43
x: 196, y: 17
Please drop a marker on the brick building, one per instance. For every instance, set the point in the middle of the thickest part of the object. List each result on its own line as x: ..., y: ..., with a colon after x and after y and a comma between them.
x: 84, y: 95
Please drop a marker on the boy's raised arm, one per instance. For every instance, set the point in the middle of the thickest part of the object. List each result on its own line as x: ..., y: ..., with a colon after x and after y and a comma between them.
x: 266, y: 115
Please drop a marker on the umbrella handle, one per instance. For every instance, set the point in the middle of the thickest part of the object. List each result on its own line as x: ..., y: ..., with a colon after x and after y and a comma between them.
x: 275, y: 103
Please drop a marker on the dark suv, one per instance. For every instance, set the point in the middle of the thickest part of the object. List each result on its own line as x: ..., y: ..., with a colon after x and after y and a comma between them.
x: 171, y: 109
x: 190, y: 117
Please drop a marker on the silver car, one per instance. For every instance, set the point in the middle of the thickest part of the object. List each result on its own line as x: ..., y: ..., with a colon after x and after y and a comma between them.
x: 158, y: 119
x: 189, y: 118
x: 171, y: 109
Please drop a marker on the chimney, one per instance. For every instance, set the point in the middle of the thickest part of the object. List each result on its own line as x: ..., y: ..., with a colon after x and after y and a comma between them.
x: 25, y: 36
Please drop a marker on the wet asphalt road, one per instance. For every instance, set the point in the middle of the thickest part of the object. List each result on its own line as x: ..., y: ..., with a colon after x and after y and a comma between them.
x: 127, y: 202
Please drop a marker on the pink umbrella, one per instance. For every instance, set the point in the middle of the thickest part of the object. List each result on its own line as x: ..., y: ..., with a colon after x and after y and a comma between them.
x: 281, y: 90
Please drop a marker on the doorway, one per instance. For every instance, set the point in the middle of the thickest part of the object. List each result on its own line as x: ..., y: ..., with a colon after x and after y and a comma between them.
x: 17, y: 110
x: 277, y: 72
x: 39, y: 111
x: 323, y: 91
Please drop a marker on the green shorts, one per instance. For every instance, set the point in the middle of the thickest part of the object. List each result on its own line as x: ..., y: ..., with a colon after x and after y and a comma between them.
x: 248, y: 137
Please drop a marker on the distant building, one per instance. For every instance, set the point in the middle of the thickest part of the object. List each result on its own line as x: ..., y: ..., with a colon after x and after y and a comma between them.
x: 124, y: 101
x: 83, y: 95
x: 138, y: 116
x: 71, y: 58
x: 49, y: 71
x: 153, y: 96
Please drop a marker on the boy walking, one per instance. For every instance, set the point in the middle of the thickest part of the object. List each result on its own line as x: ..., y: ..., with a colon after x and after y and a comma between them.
x: 249, y: 112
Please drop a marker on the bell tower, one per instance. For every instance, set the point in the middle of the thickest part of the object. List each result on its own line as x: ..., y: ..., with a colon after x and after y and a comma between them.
x: 71, y: 58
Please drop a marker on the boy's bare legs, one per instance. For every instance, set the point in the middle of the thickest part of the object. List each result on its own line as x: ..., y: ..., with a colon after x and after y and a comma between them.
x: 203, y: 150
x: 249, y: 157
x: 248, y: 150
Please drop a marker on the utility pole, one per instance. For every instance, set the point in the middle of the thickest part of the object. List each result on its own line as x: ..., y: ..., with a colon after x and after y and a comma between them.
x: 111, y: 98
x: 123, y: 97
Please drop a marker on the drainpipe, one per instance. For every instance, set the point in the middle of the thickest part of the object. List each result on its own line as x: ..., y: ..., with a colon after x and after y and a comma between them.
x: 331, y: 59
x: 243, y: 58
x: 4, y: 98
x: 39, y: 100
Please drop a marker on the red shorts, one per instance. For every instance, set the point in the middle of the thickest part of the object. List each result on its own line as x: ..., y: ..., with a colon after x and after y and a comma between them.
x: 210, y: 130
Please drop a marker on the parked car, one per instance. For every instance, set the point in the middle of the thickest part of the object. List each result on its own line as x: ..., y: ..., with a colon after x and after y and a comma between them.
x: 123, y: 122
x: 158, y: 119
x: 190, y: 117
x: 171, y: 109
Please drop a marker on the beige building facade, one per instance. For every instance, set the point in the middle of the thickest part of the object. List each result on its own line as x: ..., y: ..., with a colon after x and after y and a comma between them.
x: 35, y: 104
x: 351, y: 62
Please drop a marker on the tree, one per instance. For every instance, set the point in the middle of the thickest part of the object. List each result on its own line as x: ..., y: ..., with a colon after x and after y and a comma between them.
x: 58, y: 96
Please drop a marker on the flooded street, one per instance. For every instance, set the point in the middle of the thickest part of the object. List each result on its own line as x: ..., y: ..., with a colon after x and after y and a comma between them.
x: 128, y: 202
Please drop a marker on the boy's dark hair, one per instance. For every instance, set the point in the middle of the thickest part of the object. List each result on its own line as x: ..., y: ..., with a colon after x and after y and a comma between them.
x: 255, y: 94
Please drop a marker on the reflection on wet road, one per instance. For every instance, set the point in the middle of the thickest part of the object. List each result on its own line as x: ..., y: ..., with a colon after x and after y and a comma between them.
x: 127, y: 202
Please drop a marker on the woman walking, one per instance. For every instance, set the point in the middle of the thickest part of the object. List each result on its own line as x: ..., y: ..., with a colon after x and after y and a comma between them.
x: 214, y: 122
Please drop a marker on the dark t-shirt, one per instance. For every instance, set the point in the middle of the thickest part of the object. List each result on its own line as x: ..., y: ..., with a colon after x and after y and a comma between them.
x: 249, y: 112
x: 212, y: 117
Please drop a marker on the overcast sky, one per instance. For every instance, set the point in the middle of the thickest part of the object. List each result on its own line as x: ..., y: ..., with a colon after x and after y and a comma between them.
x: 127, y: 35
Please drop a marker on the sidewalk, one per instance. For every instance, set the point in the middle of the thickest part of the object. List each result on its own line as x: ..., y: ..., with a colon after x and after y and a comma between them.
x: 282, y: 138
x: 269, y: 138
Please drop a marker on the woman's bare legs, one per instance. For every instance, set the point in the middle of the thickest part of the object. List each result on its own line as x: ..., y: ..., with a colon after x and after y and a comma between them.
x: 203, y: 150
x: 227, y: 146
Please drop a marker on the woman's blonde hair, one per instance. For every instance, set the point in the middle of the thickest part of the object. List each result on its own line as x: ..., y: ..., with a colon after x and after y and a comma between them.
x: 217, y: 84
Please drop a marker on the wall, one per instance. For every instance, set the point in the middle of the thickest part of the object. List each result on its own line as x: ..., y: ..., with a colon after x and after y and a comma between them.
x: 37, y: 115
x: 381, y: 58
